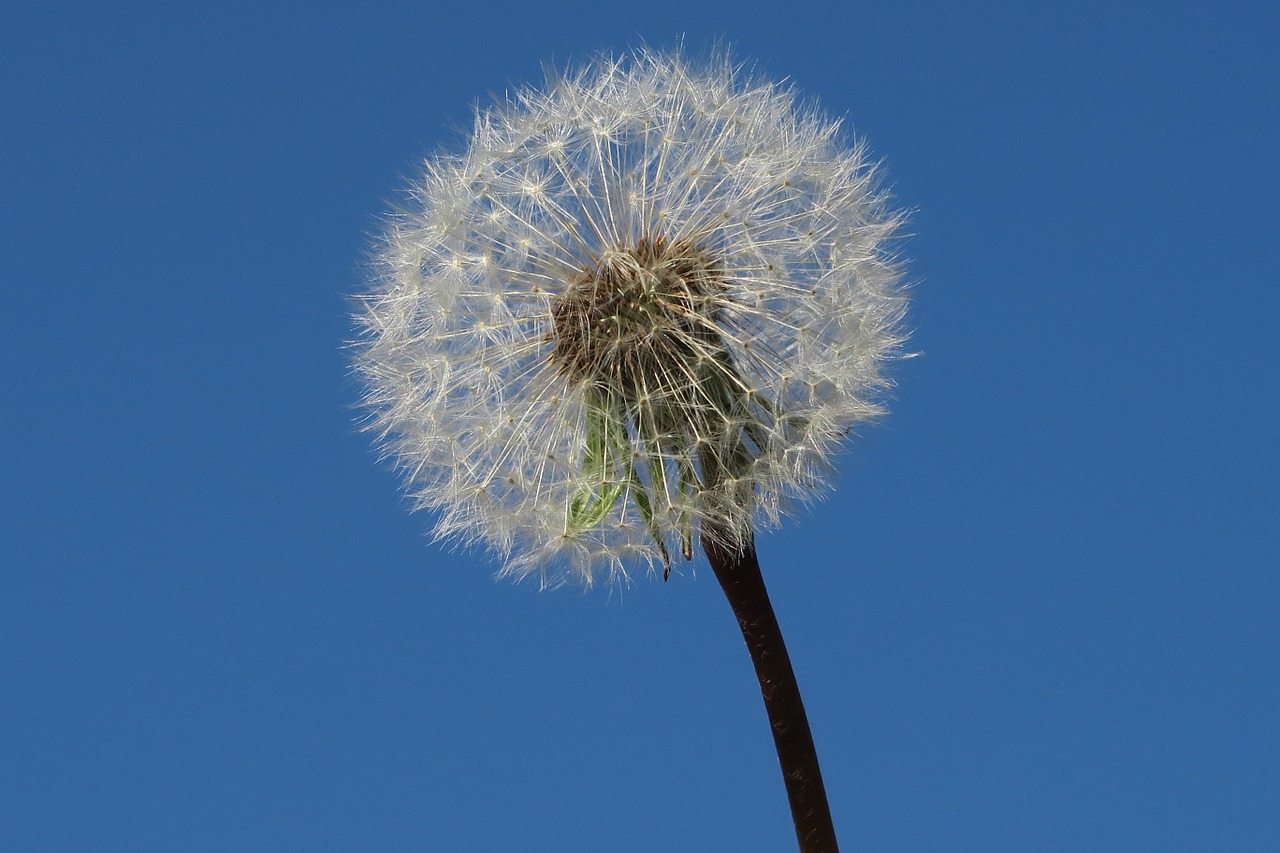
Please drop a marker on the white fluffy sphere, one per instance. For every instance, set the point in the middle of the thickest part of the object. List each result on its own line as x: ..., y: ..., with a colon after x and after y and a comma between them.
x: 650, y: 297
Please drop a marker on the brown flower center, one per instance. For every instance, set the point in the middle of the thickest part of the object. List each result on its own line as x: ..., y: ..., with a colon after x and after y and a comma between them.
x: 642, y: 319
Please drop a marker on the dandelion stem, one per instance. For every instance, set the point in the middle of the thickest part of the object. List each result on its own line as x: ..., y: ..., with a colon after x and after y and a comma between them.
x: 738, y: 570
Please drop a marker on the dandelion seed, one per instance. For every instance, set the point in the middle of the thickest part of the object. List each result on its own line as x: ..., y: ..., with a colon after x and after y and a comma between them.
x: 645, y: 304
x: 675, y: 256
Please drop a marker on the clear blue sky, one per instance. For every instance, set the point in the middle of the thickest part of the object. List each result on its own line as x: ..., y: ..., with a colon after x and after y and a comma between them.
x: 1040, y: 612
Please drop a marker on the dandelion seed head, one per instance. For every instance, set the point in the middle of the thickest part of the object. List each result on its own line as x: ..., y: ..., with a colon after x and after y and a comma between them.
x: 650, y: 298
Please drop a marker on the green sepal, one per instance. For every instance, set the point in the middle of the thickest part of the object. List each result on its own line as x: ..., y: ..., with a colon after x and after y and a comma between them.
x: 657, y: 476
x: 591, y: 503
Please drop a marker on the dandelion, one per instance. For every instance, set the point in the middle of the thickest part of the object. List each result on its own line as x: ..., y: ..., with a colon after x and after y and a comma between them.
x: 643, y: 307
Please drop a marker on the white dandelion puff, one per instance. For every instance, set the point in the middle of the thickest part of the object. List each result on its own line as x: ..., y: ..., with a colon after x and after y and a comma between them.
x: 646, y: 303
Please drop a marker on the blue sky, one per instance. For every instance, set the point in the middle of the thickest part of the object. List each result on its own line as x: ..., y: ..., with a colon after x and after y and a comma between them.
x: 1038, y: 613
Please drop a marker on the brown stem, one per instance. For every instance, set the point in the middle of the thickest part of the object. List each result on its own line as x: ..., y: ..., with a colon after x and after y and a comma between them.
x: 738, y: 571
